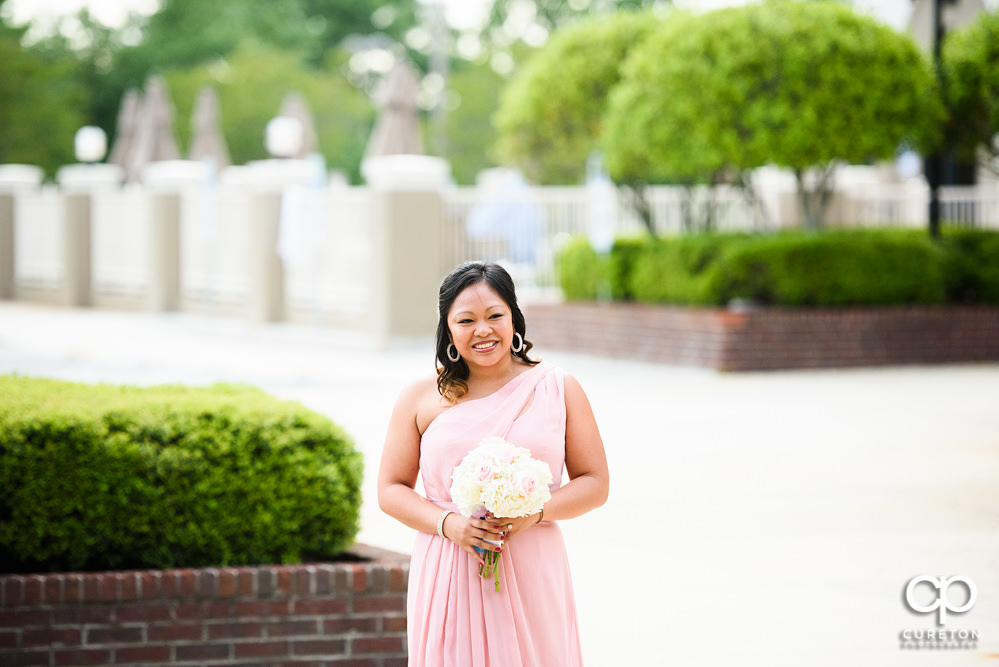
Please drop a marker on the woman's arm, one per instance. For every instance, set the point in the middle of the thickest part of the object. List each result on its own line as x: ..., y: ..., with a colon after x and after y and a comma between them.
x: 397, y: 474
x: 585, y: 461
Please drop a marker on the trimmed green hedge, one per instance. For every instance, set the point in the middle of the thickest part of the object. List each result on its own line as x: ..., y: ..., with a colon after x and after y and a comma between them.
x: 794, y: 268
x: 112, y: 477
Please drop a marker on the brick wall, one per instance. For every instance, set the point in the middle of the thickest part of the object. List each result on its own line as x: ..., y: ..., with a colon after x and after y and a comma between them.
x: 769, y: 338
x: 348, y: 614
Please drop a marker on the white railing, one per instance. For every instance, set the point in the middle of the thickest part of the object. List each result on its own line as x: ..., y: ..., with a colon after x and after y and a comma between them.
x: 327, y: 247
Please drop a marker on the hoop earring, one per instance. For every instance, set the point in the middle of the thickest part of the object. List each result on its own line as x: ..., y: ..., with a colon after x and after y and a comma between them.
x: 519, y: 347
x: 457, y: 357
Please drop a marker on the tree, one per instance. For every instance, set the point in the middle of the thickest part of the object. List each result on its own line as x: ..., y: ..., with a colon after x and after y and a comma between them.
x: 801, y: 85
x: 970, y: 67
x: 551, y: 115
x: 41, y: 104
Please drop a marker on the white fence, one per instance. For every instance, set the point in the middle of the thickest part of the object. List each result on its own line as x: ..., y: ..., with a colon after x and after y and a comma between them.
x: 326, y: 243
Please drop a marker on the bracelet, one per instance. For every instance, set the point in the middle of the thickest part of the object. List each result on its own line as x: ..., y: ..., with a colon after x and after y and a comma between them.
x: 440, y: 522
x: 541, y: 518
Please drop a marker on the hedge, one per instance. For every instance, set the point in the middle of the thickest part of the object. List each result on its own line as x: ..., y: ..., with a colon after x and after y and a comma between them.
x: 795, y: 268
x: 114, y: 477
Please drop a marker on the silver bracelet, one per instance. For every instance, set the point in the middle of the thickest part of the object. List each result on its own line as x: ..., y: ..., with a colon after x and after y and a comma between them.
x: 440, y: 522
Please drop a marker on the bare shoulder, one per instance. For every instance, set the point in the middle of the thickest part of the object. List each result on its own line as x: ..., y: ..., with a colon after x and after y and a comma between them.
x: 422, y: 401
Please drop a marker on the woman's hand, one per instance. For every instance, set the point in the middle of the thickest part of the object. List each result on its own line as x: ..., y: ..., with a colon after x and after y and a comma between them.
x: 469, y: 533
x: 512, y: 526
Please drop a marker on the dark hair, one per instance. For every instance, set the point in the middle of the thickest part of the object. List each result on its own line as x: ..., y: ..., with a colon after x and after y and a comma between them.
x: 452, y: 375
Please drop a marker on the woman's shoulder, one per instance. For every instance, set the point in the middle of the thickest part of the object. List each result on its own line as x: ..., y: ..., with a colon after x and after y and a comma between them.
x: 418, y: 391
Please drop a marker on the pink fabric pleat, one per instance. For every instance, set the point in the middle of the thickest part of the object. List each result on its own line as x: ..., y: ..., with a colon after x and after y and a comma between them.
x: 455, y: 617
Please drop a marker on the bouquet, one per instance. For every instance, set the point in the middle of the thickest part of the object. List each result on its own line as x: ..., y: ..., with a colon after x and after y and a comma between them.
x: 505, y: 481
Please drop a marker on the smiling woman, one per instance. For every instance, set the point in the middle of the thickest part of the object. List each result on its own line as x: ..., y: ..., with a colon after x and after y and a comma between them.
x: 488, y: 387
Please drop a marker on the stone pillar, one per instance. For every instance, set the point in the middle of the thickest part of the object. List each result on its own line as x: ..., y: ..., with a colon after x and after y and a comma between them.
x: 407, y: 220
x: 164, y: 252
x: 266, y: 273
x: 76, y: 288
x: 6, y: 245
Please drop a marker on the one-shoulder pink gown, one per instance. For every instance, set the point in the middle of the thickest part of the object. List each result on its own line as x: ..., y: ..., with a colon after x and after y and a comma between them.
x: 456, y: 618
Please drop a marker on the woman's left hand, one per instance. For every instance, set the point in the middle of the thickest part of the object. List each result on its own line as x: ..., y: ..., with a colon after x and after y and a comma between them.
x: 513, y: 525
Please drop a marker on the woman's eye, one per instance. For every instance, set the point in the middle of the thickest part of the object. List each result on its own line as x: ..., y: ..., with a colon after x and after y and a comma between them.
x: 464, y: 321
x: 495, y: 315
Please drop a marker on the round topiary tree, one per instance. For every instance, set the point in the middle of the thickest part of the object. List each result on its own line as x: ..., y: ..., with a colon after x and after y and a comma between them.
x: 801, y: 85
x: 970, y: 64
x: 551, y: 114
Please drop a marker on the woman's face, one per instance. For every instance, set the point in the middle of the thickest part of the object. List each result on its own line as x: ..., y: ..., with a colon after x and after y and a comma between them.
x: 481, y: 325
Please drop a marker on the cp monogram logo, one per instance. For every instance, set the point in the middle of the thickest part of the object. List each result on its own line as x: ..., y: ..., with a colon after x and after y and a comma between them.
x: 941, y: 605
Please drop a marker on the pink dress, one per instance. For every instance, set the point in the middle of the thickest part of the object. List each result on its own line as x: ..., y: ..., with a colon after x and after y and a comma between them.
x: 456, y: 618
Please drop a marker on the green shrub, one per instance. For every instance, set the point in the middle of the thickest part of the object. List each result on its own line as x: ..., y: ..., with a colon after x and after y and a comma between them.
x: 831, y: 269
x: 677, y: 270
x: 621, y: 262
x: 108, y: 476
x: 792, y: 268
x: 580, y: 270
x: 972, y: 268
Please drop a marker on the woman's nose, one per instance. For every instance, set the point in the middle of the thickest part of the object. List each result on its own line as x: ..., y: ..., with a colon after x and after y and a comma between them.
x: 483, y: 329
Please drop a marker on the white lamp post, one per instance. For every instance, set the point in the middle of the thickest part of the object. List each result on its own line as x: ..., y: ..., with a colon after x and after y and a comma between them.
x: 284, y: 137
x: 90, y: 144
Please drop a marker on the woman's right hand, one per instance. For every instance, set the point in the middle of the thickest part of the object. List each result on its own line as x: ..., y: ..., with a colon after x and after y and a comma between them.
x: 469, y: 533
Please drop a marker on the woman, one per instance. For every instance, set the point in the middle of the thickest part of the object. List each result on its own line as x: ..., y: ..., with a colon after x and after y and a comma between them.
x: 487, y: 385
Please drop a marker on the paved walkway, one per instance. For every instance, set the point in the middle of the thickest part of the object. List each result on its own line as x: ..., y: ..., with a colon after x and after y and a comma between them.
x: 757, y: 519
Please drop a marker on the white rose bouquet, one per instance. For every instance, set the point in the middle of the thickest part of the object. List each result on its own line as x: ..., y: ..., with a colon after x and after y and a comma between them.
x: 504, y: 480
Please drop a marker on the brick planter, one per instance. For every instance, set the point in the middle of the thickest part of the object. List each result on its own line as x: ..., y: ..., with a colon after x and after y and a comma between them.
x: 770, y: 338
x: 347, y: 613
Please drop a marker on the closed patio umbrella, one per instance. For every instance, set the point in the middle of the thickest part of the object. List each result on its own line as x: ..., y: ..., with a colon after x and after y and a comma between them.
x: 206, y: 139
x: 397, y: 130
x: 154, y: 140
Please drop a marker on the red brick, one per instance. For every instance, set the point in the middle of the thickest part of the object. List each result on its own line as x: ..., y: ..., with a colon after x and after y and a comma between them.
x: 395, y: 662
x: 321, y: 647
x: 52, y: 585
x: 149, y: 585
x: 82, y: 656
x: 26, y: 658
x: 72, y: 588
x: 203, y: 652
x: 82, y: 614
x: 261, y: 608
x: 290, y: 628
x: 13, y: 591
x: 169, y: 585
x: 169, y: 633
x: 203, y: 610
x: 320, y: 606
x: 142, y: 613
x: 25, y: 618
x: 324, y: 579
x: 142, y: 654
x: 371, y: 603
x: 208, y: 583
x: 302, y: 582
x: 249, y: 630
x: 32, y: 591
x: 339, y: 626
x: 360, y: 578
x: 92, y: 584
x: 187, y: 583
x: 227, y: 583
x: 394, y: 624
x: 261, y: 649
x: 358, y: 662
x: 399, y: 580
x: 51, y: 637
x: 109, y: 587
x: 113, y: 635
x: 282, y: 579
x: 377, y: 644
x: 8, y: 639
x: 245, y: 581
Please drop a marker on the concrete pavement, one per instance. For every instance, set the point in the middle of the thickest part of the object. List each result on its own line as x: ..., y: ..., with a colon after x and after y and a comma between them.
x: 757, y: 519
